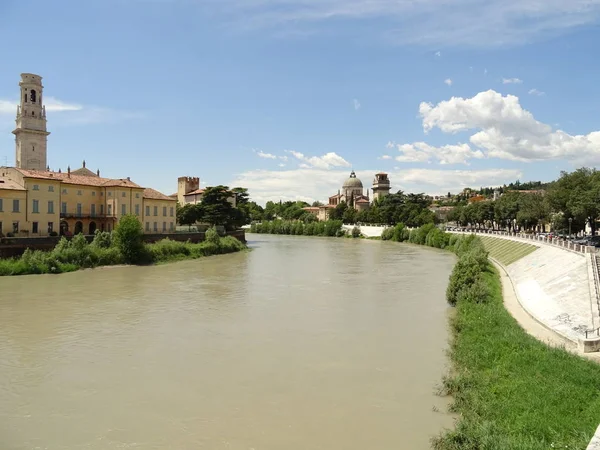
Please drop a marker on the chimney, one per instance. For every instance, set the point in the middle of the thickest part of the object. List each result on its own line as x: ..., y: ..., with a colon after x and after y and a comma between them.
x: 59, y: 170
x: 98, y: 172
x: 128, y: 179
x: 69, y: 171
x: 84, y: 163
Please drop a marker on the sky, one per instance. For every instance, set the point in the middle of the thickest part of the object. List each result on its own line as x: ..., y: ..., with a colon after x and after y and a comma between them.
x: 286, y: 97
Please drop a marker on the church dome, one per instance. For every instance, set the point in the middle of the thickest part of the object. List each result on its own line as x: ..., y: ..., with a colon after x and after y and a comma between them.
x: 352, y: 182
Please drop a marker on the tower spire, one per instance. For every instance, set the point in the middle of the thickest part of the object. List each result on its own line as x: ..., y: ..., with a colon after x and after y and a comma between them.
x: 31, y: 137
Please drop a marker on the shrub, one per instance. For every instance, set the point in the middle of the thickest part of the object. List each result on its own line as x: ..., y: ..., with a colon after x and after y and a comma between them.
x: 465, y: 273
x: 387, y: 234
x: 212, y: 236
x: 128, y: 239
x: 355, y: 232
x: 102, y: 239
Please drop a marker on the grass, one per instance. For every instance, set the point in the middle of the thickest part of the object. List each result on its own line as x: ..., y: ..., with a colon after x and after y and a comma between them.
x: 512, y: 391
x: 76, y: 254
x: 506, y: 251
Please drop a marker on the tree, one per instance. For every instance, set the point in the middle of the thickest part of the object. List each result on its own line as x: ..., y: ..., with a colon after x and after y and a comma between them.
x: 189, y: 214
x: 337, y: 213
x: 217, y: 210
x: 128, y: 239
x: 577, y: 196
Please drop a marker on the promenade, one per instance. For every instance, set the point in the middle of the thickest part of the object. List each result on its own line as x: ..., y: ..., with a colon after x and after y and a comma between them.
x: 555, y: 285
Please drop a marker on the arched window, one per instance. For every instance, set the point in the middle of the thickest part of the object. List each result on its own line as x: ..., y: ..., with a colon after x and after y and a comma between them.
x: 32, y: 96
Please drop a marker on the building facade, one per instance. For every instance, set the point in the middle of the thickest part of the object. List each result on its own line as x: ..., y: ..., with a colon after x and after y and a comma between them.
x: 35, y: 201
x: 352, y: 193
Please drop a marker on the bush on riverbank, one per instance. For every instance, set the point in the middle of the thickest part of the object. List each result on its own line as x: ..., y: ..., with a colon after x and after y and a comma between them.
x: 510, y: 390
x: 299, y: 228
x: 105, y: 250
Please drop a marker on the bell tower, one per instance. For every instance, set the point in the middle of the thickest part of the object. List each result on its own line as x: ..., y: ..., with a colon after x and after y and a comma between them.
x: 31, y: 137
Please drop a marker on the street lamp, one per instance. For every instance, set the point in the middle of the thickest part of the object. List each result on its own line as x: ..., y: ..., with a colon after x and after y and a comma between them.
x: 570, y: 221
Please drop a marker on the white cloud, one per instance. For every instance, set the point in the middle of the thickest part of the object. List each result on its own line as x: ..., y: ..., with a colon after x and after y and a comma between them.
x: 511, y: 81
x: 534, y: 91
x: 438, y: 53
x: 326, y: 161
x: 356, y: 104
x: 283, y: 158
x: 447, y: 154
x: 262, y: 154
x: 505, y: 130
x: 448, y: 81
x: 72, y: 113
x: 281, y: 165
x: 476, y: 23
x: 390, y: 144
x: 318, y: 184
x: 385, y: 157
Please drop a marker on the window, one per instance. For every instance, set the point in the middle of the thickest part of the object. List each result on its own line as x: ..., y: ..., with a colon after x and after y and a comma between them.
x: 0, y: 206
x: 16, y: 226
x: 78, y: 192
x: 123, y: 210
x: 36, y: 207
x: 147, y: 226
x: 171, y: 212
x: 78, y: 209
x: 110, y: 194
x: 110, y: 210
x: 101, y: 210
x: 93, y: 210
x: 137, y: 195
x: 164, y: 226
x: 123, y: 194
x: 50, y: 227
x: 34, y: 227
x: 137, y: 210
x: 156, y: 210
x: 101, y: 194
x: 171, y: 226
x: 64, y: 191
x: 50, y: 207
x: 0, y: 227
x: 164, y: 211
x: 147, y: 210
x: 93, y: 193
x: 15, y: 205
x: 155, y: 226
x: 32, y: 96
x: 36, y: 187
x: 63, y: 207
x: 50, y: 188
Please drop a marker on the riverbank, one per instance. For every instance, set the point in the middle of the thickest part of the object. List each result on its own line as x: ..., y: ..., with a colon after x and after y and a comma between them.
x: 510, y: 390
x: 77, y: 254
x: 331, y: 228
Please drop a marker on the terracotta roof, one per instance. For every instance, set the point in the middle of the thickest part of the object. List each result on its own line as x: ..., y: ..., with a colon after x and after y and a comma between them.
x: 155, y: 195
x: 10, y: 185
x: 173, y: 195
x: 362, y: 200
x: 84, y: 180
x: 327, y: 206
x: 84, y: 172
x: 197, y: 191
x: 311, y: 208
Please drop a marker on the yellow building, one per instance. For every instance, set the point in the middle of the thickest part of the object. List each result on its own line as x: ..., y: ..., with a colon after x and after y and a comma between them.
x: 35, y: 201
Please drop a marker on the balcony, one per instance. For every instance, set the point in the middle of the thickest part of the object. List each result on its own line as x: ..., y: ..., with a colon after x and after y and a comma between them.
x: 84, y: 215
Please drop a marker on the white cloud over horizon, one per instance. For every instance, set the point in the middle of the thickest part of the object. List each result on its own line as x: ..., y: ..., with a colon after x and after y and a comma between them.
x: 448, y: 81
x: 474, y: 23
x: 534, y: 91
x: 503, y: 129
x: 356, y: 104
x: 328, y: 160
x: 262, y: 154
x: 311, y: 184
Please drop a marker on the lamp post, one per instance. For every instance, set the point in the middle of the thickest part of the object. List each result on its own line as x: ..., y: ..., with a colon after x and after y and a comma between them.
x: 570, y: 221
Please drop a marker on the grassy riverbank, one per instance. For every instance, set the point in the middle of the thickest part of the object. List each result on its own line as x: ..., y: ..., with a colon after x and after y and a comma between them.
x: 107, y: 250
x: 299, y: 228
x: 510, y: 390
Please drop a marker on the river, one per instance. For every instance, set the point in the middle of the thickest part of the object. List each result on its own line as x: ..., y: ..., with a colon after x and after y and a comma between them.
x: 301, y: 344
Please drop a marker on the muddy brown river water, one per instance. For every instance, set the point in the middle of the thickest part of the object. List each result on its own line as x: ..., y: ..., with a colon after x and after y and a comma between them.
x: 300, y: 344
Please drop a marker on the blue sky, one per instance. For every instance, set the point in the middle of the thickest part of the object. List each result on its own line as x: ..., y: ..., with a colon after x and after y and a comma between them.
x: 286, y: 96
